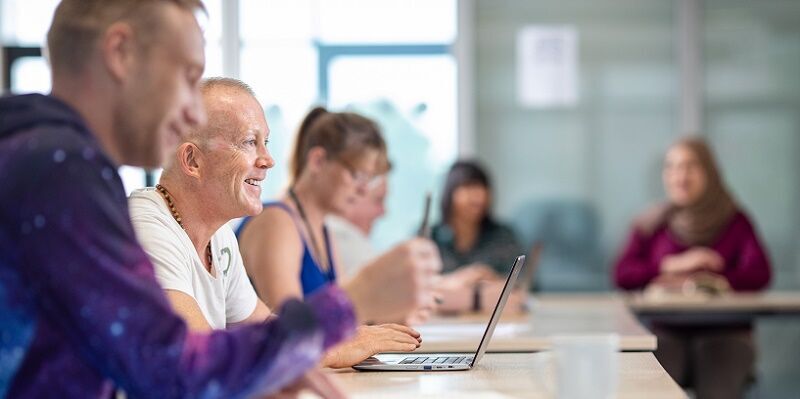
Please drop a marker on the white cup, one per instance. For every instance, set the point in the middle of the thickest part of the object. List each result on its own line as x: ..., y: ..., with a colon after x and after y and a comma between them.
x: 586, y: 366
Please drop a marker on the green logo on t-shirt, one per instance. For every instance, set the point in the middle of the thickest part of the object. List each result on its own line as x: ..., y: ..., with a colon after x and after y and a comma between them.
x: 226, y: 251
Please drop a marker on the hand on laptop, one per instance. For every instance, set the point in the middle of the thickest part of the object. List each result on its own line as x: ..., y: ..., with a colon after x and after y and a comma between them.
x: 371, y: 340
x: 397, y: 284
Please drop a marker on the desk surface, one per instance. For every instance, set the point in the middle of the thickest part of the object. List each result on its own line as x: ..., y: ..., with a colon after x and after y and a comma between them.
x: 552, y: 314
x: 518, y: 375
x: 765, y: 303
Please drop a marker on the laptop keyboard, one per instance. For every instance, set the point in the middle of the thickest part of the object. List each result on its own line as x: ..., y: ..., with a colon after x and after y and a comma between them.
x: 437, y: 360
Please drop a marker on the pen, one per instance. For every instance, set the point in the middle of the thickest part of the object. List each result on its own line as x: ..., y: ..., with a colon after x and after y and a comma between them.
x: 425, y: 231
x: 424, y: 228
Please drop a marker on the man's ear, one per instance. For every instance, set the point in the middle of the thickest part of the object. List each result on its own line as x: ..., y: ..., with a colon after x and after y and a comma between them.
x: 118, y: 46
x: 190, y: 160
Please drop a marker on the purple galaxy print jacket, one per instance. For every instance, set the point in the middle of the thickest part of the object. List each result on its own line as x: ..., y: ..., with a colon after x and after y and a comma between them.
x: 80, y: 309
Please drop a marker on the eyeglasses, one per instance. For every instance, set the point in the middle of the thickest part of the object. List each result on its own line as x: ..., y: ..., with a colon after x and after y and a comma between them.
x: 359, y: 176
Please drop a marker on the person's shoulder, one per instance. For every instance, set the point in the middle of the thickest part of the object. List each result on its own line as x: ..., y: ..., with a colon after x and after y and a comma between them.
x: 275, y: 215
x: 57, y: 150
x: 499, y: 227
x: 47, y: 132
x: 651, y: 220
x: 144, y: 201
x: 336, y: 223
x: 48, y: 161
x: 442, y: 233
x: 276, y: 206
x: 341, y: 228
x: 41, y: 123
x: 146, y: 205
x: 152, y: 221
x: 274, y: 228
x: 741, y: 221
x: 740, y: 215
x: 441, y: 226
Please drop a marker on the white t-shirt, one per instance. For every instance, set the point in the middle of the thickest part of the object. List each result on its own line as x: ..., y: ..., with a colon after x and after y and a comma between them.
x: 352, y: 245
x: 225, y: 298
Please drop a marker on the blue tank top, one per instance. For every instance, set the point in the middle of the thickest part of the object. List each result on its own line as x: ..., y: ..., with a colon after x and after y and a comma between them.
x: 312, y: 277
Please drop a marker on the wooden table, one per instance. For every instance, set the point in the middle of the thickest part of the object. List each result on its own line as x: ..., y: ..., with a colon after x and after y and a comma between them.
x: 725, y: 308
x: 551, y: 315
x: 508, y: 375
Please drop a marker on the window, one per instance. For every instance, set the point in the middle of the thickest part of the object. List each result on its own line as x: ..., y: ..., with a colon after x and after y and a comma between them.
x: 25, y: 24
x: 345, y: 54
x: 361, y: 56
x: 413, y: 97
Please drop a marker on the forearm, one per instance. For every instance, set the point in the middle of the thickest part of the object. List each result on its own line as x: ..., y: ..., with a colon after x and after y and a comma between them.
x: 357, y: 289
x: 749, y: 277
x: 186, y: 307
x: 334, y: 358
x: 285, y: 347
x: 634, y: 269
x: 631, y: 274
x: 752, y: 271
x: 276, y: 283
x: 120, y: 322
x: 255, y: 359
x: 672, y: 264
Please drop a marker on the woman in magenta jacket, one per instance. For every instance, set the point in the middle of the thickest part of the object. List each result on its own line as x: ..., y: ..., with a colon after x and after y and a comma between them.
x: 699, y: 231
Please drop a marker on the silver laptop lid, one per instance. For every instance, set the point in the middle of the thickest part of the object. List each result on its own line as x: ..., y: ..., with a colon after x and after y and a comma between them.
x: 498, y: 309
x: 528, y: 272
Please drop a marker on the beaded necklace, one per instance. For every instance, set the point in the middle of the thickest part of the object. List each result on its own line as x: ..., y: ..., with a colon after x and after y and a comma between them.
x: 171, y: 205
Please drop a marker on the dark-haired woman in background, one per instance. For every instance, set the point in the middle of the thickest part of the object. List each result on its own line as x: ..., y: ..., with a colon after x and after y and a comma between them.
x: 477, y: 251
x: 287, y: 250
x: 700, y: 232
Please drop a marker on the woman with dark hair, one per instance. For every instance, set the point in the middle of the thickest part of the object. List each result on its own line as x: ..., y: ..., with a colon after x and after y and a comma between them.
x: 699, y: 233
x: 287, y: 250
x: 476, y: 250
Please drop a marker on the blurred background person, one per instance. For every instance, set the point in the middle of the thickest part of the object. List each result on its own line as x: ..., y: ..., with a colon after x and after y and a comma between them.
x: 287, y: 249
x: 700, y: 232
x: 350, y: 229
x: 476, y: 249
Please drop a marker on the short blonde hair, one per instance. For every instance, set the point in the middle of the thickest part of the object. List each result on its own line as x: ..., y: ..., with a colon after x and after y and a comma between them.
x: 209, y: 84
x: 77, y: 24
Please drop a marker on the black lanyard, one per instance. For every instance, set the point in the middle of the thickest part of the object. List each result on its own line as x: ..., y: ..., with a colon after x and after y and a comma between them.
x: 302, y: 213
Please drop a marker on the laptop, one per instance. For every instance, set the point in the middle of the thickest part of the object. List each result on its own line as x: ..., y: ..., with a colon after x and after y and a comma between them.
x: 528, y: 273
x: 445, y: 361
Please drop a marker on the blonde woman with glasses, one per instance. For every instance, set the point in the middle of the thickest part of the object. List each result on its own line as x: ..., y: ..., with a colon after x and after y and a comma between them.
x: 288, y: 252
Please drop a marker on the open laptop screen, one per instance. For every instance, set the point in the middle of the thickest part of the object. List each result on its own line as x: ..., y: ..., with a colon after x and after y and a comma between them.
x: 498, y: 308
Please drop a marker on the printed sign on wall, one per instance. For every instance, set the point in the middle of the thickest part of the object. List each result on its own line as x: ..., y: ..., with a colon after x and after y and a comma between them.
x: 547, y: 66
